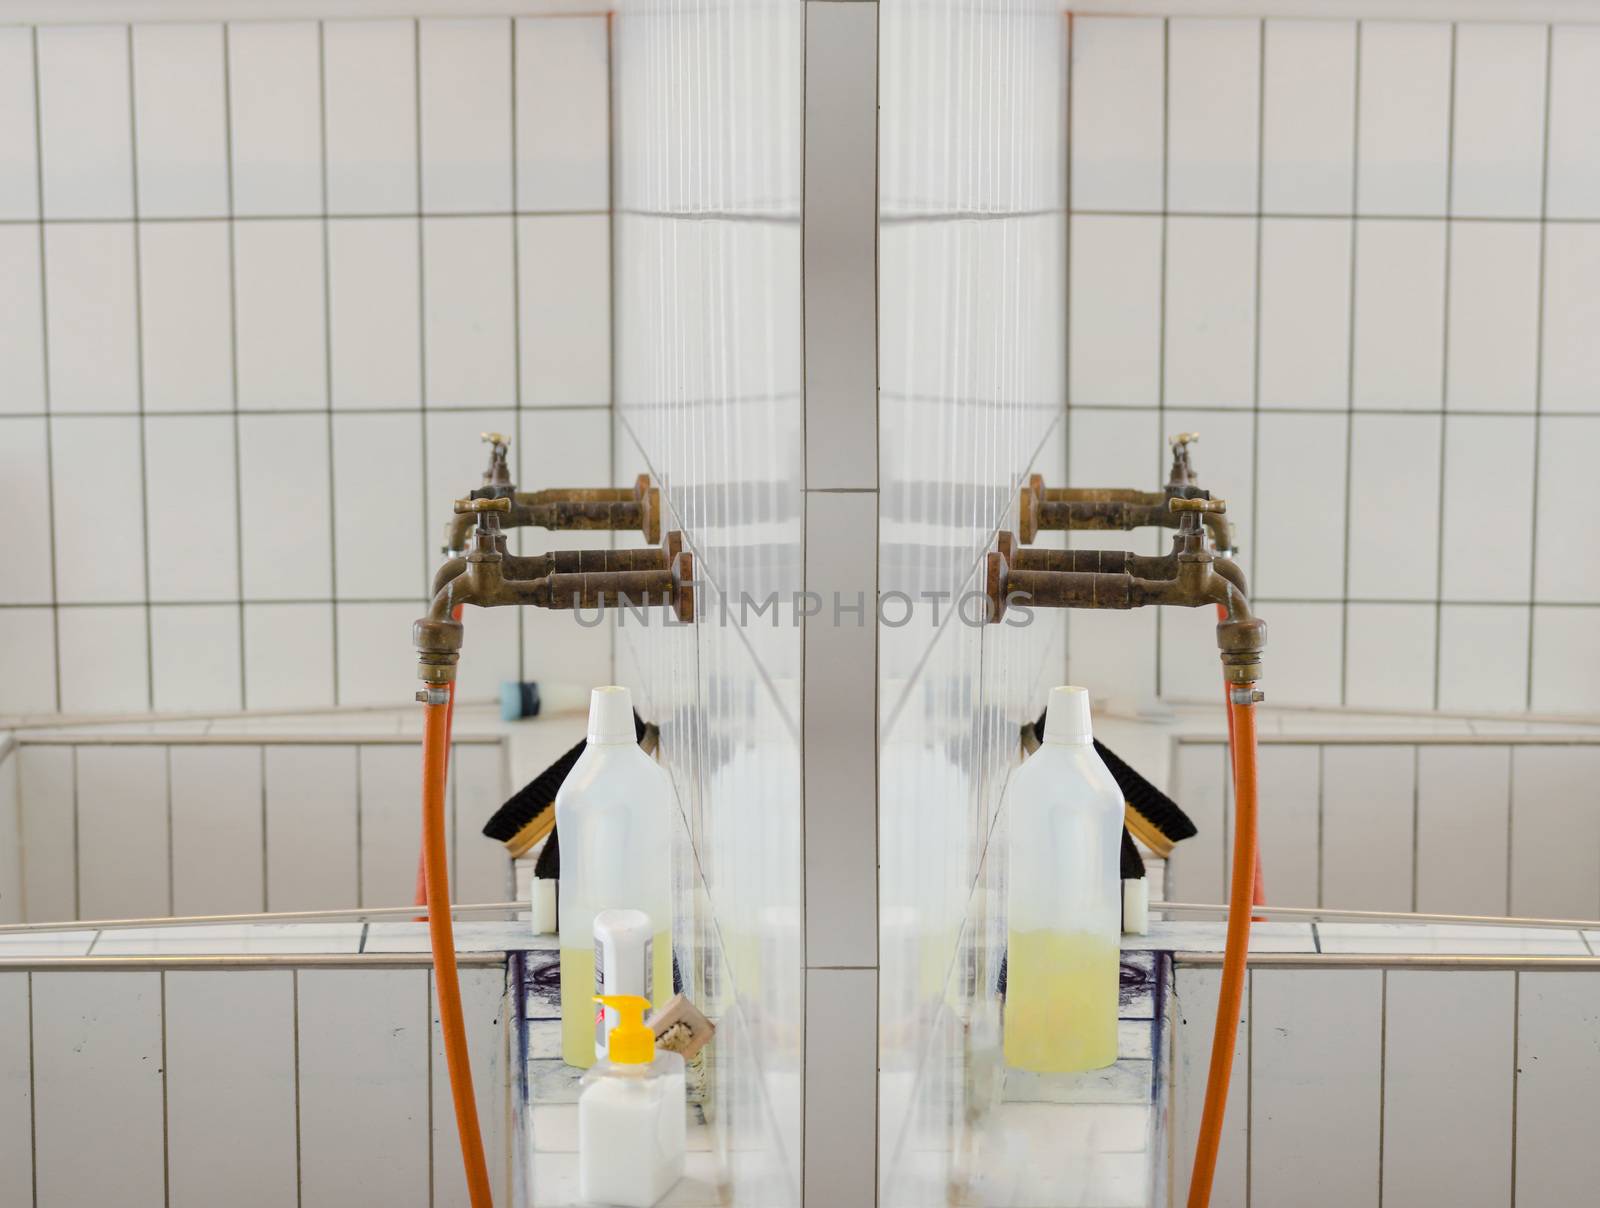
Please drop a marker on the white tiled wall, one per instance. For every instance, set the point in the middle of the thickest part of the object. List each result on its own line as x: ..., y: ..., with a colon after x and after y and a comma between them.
x: 263, y: 285
x: 1455, y: 827
x: 1371, y: 1086
x: 1360, y: 258
x: 247, y: 1086
x: 136, y: 828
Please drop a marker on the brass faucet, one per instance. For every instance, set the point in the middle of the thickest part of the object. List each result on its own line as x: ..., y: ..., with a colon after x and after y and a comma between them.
x: 615, y: 509
x: 488, y: 577
x: 1191, y: 576
x: 1052, y: 509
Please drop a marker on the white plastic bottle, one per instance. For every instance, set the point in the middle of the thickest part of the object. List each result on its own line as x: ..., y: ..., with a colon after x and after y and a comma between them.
x: 613, y: 814
x: 1063, y: 899
x: 631, y: 1131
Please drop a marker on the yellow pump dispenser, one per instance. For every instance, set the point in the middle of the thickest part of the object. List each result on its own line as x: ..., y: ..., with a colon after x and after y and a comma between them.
x: 631, y: 1114
x: 630, y: 1043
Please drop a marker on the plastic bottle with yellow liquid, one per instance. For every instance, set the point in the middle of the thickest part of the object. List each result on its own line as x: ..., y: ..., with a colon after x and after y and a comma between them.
x: 1063, y: 899
x: 613, y: 813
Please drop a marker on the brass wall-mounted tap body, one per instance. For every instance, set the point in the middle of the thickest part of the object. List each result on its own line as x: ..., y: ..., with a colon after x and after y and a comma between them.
x: 1191, y: 576
x: 612, y: 509
x: 488, y: 577
x: 1053, y: 509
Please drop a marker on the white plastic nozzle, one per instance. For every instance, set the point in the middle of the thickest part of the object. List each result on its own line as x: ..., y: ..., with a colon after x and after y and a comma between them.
x: 611, y: 715
x: 1066, y: 717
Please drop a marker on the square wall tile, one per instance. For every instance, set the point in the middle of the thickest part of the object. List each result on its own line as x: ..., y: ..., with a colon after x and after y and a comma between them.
x: 179, y: 116
x: 369, y: 76
x: 105, y: 659
x: 567, y: 448
x: 563, y: 88
x: 1214, y: 113
x: 21, y: 318
x: 1566, y: 650
x: 468, y: 312
x: 275, y: 98
x: 1481, y: 532
x: 1404, y: 136
x: 1189, y: 667
x: 1567, y: 570
x: 466, y: 115
x: 100, y: 550
x: 194, y: 550
x: 374, y: 301
x: 1574, y: 153
x: 1399, y: 314
x: 375, y: 665
x: 284, y: 506
x: 377, y: 463
x: 194, y: 658
x: 91, y: 304
x: 1389, y: 656
x: 1307, y: 653
x: 30, y: 682
x: 1115, y: 330
x: 288, y: 656
x: 1297, y: 547
x: 19, y: 143
x: 1394, y: 508
x: 1483, y: 657
x: 25, y: 538
x: 1210, y: 311
x: 282, y: 334
x: 85, y: 129
x: 1497, y: 151
x: 1305, y: 312
x: 1309, y: 111
x: 1118, y: 117
x: 564, y: 279
x: 1113, y: 655
x: 1570, y: 379
x: 1494, y: 316
x: 497, y: 648
x: 187, y: 315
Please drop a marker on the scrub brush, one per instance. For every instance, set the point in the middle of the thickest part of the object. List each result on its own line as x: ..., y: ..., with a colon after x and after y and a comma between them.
x: 530, y: 814
x: 1154, y: 818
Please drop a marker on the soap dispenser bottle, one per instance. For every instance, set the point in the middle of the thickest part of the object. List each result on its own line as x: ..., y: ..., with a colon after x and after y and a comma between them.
x: 631, y: 1135
x: 614, y: 816
x: 1063, y: 899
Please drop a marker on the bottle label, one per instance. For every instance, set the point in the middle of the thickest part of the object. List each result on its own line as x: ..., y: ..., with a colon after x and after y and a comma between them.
x: 640, y: 983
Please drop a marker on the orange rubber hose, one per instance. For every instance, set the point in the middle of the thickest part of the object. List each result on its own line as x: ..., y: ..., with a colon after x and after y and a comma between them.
x: 435, y: 760
x: 421, y: 896
x: 1231, y: 995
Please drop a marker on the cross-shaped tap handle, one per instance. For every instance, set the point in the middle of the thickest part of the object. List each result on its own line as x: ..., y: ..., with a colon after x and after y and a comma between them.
x: 1219, y: 506
x: 466, y: 506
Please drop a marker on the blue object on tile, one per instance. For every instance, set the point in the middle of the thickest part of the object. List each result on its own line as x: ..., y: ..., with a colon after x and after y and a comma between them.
x: 519, y: 700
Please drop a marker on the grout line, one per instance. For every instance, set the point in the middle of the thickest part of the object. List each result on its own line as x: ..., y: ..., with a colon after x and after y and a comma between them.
x: 518, y: 432
x: 397, y: 215
x: 166, y: 1115
x: 44, y: 363
x: 1383, y: 1072
x: 171, y: 871
x: 139, y: 374
x: 1350, y: 377
x: 33, y: 1092
x: 299, y: 1170
x: 1416, y: 828
x: 1161, y: 345
x: 422, y: 299
x: 1444, y: 369
x: 1511, y: 828
x: 1538, y: 363
x: 1255, y: 360
x: 233, y: 363
x: 361, y: 895
x: 77, y: 859
x: 265, y: 832
x: 327, y: 354
x: 1516, y: 1072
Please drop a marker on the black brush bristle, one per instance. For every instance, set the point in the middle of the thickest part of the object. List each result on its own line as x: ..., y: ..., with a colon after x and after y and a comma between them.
x: 532, y: 799
x: 548, y: 866
x: 1132, y: 861
x: 1154, y: 806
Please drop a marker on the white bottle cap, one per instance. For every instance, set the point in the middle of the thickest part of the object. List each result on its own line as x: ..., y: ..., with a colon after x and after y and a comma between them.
x: 1066, y: 718
x: 611, y: 715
